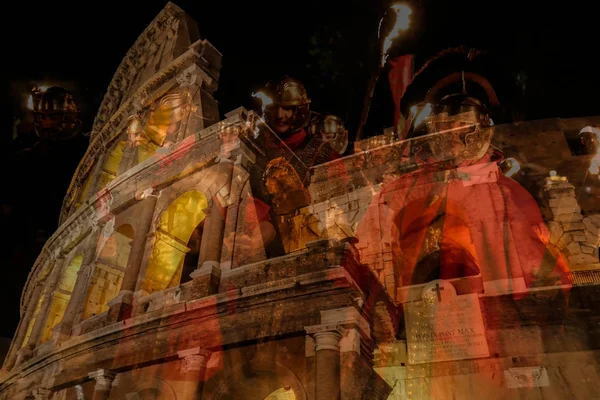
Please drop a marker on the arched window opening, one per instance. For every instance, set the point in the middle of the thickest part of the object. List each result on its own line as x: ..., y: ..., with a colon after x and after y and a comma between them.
x: 284, y: 393
x: 108, y: 271
x: 192, y: 257
x: 61, y: 296
x: 110, y: 169
x: 38, y: 305
x: 43, y: 274
x: 83, y: 194
x: 173, y: 232
x: 435, y: 244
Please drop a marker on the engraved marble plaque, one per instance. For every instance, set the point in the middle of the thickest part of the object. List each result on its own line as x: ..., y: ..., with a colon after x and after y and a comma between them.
x: 443, y: 326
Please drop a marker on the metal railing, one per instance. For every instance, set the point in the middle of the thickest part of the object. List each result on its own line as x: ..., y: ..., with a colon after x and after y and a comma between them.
x: 585, y: 277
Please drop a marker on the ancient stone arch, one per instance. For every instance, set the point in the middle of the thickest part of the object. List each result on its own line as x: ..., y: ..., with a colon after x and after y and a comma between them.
x: 108, y: 272
x: 154, y: 388
x: 269, y: 376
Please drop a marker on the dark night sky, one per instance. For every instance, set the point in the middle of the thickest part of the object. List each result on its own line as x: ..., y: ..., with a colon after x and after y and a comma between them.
x: 80, y: 45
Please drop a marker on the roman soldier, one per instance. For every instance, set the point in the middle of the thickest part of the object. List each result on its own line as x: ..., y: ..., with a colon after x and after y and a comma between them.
x: 455, y: 215
x: 301, y: 140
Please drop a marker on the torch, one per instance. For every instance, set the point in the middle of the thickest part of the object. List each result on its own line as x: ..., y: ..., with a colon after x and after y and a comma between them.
x: 402, y: 23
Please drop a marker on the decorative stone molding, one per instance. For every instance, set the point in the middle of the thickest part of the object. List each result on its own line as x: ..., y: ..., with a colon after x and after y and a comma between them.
x: 327, y: 337
x: 194, y: 359
x: 104, y: 379
x: 193, y: 75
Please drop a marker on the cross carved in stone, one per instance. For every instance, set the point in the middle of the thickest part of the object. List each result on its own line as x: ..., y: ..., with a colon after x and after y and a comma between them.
x: 438, y: 290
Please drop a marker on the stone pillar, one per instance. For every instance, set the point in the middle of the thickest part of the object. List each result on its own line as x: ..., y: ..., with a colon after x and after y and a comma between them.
x: 566, y: 223
x: 214, y: 226
x: 193, y: 368
x: 41, y: 394
x: 40, y: 321
x: 327, y: 361
x: 104, y: 380
x: 17, y: 342
x: 78, y: 295
x: 208, y: 275
x: 120, y: 307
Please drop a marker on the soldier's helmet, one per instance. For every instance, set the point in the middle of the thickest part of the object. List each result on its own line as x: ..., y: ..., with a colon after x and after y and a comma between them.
x: 289, y: 93
x: 463, y: 127
x: 56, y: 114
x: 454, y: 101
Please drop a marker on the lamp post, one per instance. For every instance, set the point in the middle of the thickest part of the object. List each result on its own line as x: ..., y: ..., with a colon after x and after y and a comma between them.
x: 402, y: 23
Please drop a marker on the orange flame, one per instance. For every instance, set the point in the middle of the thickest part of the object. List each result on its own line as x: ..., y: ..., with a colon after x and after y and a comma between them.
x: 266, y: 100
x: 402, y: 23
x: 420, y: 115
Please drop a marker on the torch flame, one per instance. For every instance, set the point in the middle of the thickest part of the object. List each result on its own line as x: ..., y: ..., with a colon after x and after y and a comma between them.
x: 265, y: 100
x: 595, y: 163
x: 420, y: 115
x: 402, y: 23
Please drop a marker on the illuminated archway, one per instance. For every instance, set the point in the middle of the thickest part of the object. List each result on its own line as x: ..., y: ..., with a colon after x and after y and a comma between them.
x: 38, y: 304
x: 284, y: 393
x: 83, y: 195
x: 173, y: 232
x: 110, y: 169
x: 61, y: 296
x: 108, y: 272
x: 433, y: 242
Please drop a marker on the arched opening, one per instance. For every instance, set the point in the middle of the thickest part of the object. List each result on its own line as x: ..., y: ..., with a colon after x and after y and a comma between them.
x: 284, y: 393
x: 434, y: 242
x: 37, y: 304
x: 110, y: 169
x: 61, y: 296
x: 172, y: 236
x: 192, y: 257
x: 109, y: 271
x: 83, y: 194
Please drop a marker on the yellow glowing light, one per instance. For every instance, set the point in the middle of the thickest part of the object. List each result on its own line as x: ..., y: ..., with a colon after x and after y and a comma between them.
x: 402, y: 23
x: 266, y: 100
x: 175, y: 227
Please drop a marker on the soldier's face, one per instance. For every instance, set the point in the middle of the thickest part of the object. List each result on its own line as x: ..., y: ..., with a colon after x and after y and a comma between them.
x: 281, y: 120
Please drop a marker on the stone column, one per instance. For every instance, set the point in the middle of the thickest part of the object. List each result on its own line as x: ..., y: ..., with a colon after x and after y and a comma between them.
x: 206, y: 278
x: 327, y: 361
x: 193, y: 368
x: 120, y: 307
x: 42, y: 316
x: 17, y: 342
x: 79, y: 293
x: 104, y: 380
